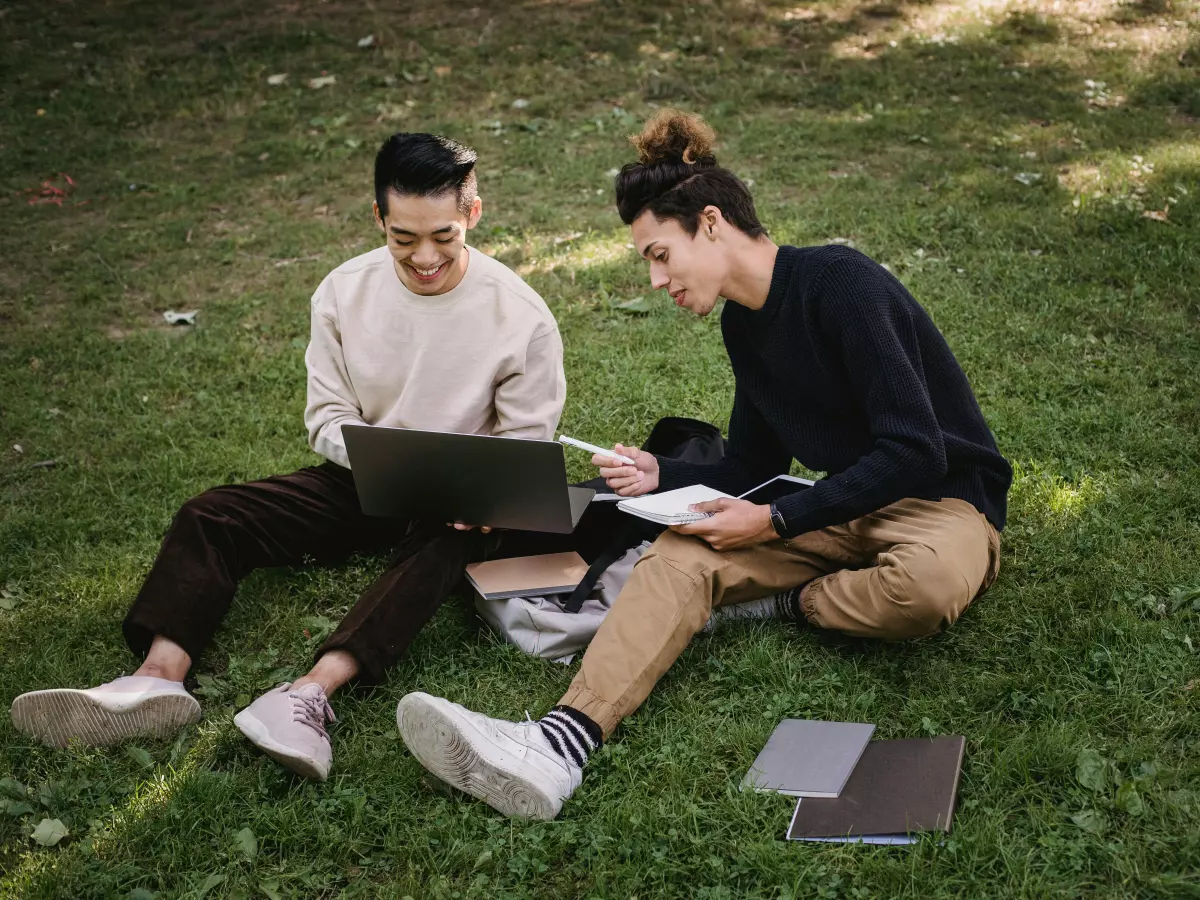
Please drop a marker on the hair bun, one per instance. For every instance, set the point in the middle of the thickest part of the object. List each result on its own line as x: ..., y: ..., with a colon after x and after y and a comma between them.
x: 672, y: 135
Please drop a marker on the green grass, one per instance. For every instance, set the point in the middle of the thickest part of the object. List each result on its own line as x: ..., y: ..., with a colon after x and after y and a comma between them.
x: 1076, y: 316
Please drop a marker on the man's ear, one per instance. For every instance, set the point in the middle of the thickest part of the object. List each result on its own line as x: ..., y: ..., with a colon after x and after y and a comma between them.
x: 378, y: 217
x: 476, y: 212
x: 711, y: 221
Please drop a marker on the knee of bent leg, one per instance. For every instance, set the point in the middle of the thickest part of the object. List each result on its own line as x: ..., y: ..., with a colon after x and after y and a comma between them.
x: 674, y: 577
x: 684, y: 552
x: 924, y: 593
x: 216, y: 503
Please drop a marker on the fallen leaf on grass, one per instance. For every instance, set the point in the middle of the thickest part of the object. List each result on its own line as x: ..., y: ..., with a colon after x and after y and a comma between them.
x: 49, y: 192
x: 442, y: 71
x: 322, y: 81
x: 635, y: 305
x: 1158, y: 215
x: 209, y: 883
x: 49, y: 832
x: 140, y: 756
x: 391, y: 112
x: 277, y: 79
x: 1090, y: 820
x: 10, y: 787
x: 1091, y: 770
x: 247, y: 843
x: 1129, y: 799
x: 9, y: 598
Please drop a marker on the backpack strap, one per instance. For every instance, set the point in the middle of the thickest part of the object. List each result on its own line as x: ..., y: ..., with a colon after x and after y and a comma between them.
x: 599, y: 565
x: 629, y: 536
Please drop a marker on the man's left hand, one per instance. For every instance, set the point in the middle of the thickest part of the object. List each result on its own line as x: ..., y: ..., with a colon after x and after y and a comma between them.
x: 734, y: 524
x: 463, y: 526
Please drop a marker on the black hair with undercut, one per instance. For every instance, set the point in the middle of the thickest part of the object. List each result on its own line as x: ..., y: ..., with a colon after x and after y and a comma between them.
x: 677, y: 176
x: 425, y: 165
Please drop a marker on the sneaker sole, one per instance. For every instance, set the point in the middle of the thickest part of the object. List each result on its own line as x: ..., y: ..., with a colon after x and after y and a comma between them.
x: 442, y: 744
x: 58, y: 717
x: 256, y: 732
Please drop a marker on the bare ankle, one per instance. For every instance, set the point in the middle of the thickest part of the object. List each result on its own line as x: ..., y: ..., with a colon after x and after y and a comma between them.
x: 331, y: 672
x: 151, y: 670
x: 166, y: 660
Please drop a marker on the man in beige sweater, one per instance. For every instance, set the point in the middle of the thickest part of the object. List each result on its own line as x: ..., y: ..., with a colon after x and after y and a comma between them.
x: 424, y: 332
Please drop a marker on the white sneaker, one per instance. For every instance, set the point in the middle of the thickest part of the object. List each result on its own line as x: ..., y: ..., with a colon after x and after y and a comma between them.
x: 133, y: 706
x: 289, y: 726
x: 509, y: 765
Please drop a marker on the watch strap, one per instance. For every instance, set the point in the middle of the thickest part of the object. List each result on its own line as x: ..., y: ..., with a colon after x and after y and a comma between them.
x: 777, y: 520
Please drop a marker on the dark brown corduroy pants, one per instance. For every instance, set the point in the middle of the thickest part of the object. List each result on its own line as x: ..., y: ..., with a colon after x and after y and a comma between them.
x: 311, y: 515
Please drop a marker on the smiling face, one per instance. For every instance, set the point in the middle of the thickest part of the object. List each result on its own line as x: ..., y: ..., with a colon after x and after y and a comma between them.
x: 427, y: 239
x: 691, y: 268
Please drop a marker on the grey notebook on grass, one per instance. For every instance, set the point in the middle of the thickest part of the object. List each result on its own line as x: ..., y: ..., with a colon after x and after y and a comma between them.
x: 804, y: 758
x: 898, y: 789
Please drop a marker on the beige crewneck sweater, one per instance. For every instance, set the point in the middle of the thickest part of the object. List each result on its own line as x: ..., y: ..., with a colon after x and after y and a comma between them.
x: 483, y: 358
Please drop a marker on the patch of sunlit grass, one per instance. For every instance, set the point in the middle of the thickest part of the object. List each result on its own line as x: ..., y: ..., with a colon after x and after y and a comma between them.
x: 573, y: 251
x: 1131, y: 180
x: 1047, y: 499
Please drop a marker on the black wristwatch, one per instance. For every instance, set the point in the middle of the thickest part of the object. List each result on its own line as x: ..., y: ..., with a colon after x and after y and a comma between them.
x: 777, y: 521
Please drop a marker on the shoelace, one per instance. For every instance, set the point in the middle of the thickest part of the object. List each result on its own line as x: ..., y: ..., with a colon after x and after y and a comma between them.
x: 313, y: 711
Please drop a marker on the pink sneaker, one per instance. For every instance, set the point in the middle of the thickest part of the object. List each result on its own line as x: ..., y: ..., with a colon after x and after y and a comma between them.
x: 133, y: 706
x: 289, y: 726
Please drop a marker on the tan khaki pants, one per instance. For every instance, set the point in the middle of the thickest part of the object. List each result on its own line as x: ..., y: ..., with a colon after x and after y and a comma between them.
x: 905, y: 571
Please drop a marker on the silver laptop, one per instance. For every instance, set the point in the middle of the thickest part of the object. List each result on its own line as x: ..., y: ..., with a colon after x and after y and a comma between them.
x: 479, y: 479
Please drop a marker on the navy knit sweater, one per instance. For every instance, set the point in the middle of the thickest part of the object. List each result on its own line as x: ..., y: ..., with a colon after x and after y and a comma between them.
x: 844, y: 371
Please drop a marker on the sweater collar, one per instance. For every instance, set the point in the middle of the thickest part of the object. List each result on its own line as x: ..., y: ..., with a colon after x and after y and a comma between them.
x: 786, y: 262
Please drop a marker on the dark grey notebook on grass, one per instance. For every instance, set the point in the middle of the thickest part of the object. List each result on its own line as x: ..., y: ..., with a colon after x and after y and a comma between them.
x: 804, y: 758
x: 898, y: 789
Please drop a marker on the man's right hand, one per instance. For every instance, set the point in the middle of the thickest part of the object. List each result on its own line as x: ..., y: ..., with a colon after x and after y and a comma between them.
x: 629, y: 481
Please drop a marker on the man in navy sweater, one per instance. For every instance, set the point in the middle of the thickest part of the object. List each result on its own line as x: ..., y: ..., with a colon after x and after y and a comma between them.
x: 836, y: 366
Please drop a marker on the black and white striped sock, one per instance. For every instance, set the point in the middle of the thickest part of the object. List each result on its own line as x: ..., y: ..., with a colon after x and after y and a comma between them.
x: 573, y: 735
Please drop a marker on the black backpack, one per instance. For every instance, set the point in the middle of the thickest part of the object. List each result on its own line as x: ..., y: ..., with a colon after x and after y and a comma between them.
x: 604, y: 533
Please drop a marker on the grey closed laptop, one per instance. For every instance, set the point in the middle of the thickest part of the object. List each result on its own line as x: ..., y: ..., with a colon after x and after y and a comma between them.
x: 473, y: 478
x: 805, y: 758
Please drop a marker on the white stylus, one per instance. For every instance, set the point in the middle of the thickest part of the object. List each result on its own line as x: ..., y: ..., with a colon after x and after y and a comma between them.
x: 592, y: 448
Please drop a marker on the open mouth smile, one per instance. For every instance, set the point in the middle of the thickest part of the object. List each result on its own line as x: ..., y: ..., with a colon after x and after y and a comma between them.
x: 427, y: 275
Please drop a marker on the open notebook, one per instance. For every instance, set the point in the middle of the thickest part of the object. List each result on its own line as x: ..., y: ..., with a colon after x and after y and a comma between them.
x: 671, y: 507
